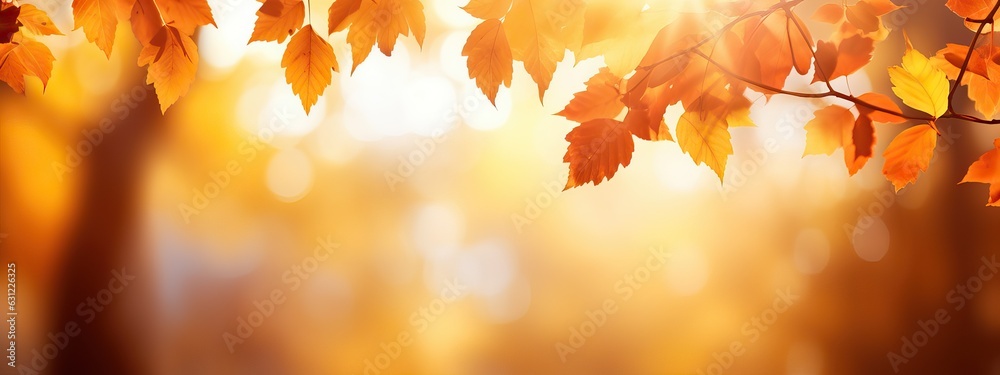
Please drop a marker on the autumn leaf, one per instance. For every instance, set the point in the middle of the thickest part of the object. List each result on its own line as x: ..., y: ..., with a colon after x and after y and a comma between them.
x: 98, y: 20
x: 534, y: 39
x: 339, y: 12
x: 987, y: 170
x: 919, y: 83
x: 277, y: 20
x: 825, y: 132
x: 973, y: 9
x: 486, y: 9
x: 621, y: 32
x: 186, y: 15
x: 24, y: 57
x: 859, y: 144
x: 146, y: 21
x: 601, y: 99
x: 596, y: 149
x: 382, y: 22
x: 909, y: 154
x: 705, y: 136
x: 880, y: 101
x: 173, y: 59
x: 843, y: 58
x: 983, y: 74
x: 8, y: 22
x: 309, y: 65
x: 37, y: 21
x: 490, y: 61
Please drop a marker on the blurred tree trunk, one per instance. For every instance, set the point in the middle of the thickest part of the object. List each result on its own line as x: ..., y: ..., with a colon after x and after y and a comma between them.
x: 101, y: 242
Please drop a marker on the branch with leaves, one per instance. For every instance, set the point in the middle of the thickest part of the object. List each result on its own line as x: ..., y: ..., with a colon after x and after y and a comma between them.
x: 705, y: 56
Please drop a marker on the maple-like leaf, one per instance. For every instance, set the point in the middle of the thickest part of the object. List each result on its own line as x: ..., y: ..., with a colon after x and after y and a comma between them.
x: 490, y: 61
x: 186, y: 15
x: 486, y: 9
x: 909, y: 154
x: 37, y: 21
x: 98, y: 20
x: 382, y: 22
x: 987, y: 170
x: 919, y: 83
x: 24, y: 57
x: 601, y: 99
x: 277, y: 20
x: 309, y: 64
x: 596, y: 149
x: 825, y: 132
x: 534, y: 39
x: 173, y: 59
x: 705, y: 136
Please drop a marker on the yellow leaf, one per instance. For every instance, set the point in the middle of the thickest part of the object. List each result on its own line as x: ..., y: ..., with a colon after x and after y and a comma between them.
x: 24, y: 57
x: 173, y: 60
x: 825, y: 132
x: 278, y: 19
x: 186, y: 15
x: 909, y: 154
x: 98, y: 20
x: 36, y: 21
x: 919, y: 83
x: 309, y: 65
x: 490, y: 61
x: 705, y: 136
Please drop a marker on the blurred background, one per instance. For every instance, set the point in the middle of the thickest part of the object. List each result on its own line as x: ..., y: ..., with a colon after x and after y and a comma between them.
x: 407, y: 226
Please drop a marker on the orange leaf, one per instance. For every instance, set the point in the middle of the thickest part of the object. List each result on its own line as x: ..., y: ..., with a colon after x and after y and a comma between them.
x: 880, y: 101
x: 340, y: 12
x: 909, y: 154
x: 859, y: 144
x: 596, y: 149
x: 278, y: 19
x: 98, y: 20
x: 973, y: 9
x: 173, y: 59
x: 383, y: 22
x: 534, y: 39
x: 987, y: 170
x: 601, y: 99
x: 186, y: 15
x: 36, y: 21
x: 825, y: 132
x: 862, y: 15
x: 829, y: 13
x: 486, y: 9
x: 490, y: 62
x: 309, y: 65
x: 24, y: 57
x: 842, y: 59
x: 145, y: 20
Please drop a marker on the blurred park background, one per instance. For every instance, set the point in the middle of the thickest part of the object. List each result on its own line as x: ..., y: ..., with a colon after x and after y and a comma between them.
x: 410, y: 227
